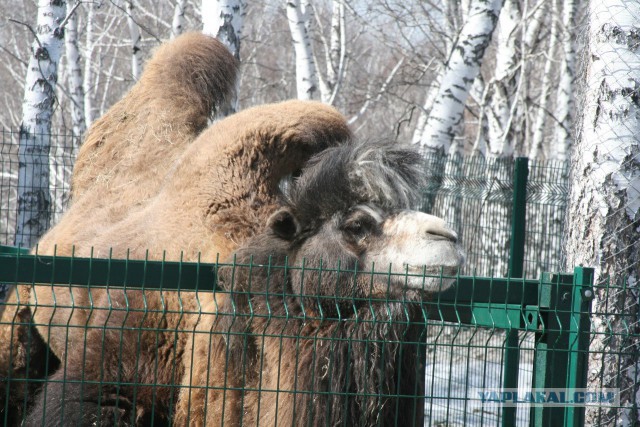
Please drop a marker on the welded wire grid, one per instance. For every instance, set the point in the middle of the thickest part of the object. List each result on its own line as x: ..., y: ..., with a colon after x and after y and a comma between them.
x: 61, y: 158
x: 475, y: 195
x: 105, y: 363
x: 463, y: 359
x: 612, y: 350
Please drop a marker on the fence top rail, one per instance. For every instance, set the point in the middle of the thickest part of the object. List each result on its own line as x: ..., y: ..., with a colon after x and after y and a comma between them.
x: 16, y: 267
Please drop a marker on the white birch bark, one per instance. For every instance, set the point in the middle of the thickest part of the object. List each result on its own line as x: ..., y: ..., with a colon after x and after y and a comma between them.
x: 564, y: 97
x: 298, y: 16
x: 542, y: 114
x: 462, y: 68
x: 223, y: 19
x: 177, y: 24
x: 34, y: 199
x: 502, y: 89
x: 534, y: 19
x: 74, y: 64
x: 136, y: 41
x: 604, y: 213
x: 87, y: 78
x: 430, y: 98
x: 335, y: 55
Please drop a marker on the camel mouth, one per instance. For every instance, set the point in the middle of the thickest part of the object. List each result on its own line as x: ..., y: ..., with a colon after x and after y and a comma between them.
x: 430, y: 279
x: 440, y: 270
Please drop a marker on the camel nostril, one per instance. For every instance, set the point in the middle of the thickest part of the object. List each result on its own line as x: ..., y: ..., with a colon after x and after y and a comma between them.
x: 443, y: 233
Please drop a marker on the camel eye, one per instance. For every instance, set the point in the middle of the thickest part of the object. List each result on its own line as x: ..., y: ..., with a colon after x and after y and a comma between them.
x: 355, y: 227
x: 359, y: 226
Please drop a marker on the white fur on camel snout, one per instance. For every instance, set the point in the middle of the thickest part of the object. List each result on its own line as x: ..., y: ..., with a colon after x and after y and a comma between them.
x: 419, y: 243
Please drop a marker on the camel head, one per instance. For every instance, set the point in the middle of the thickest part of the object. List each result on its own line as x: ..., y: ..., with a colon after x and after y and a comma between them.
x: 348, y: 227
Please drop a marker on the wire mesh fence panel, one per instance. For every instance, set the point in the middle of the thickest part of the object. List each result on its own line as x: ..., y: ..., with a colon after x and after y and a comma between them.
x: 462, y: 360
x: 60, y: 159
x: 8, y: 186
x: 475, y: 194
x: 16, y: 202
x: 547, y: 195
x: 123, y: 342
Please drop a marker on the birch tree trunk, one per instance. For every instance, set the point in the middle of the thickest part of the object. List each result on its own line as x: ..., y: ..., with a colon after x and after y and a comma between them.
x: 34, y: 199
x: 223, y: 19
x: 177, y: 24
x: 136, y: 39
x: 604, y: 204
x: 76, y: 89
x: 564, y: 97
x: 335, y: 55
x: 542, y: 114
x: 306, y: 80
x: 501, y: 90
x: 87, y: 78
x: 462, y: 68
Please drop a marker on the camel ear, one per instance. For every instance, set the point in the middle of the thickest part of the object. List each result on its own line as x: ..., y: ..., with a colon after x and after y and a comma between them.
x: 284, y: 224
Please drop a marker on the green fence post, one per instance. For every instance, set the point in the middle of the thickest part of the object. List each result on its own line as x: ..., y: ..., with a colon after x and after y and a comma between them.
x: 518, y: 217
x: 579, y: 329
x: 550, y: 365
x: 516, y: 269
x: 562, y: 351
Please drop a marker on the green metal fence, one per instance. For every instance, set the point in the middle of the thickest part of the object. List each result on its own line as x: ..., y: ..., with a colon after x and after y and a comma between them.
x: 488, y: 333
x: 476, y: 196
x: 462, y: 334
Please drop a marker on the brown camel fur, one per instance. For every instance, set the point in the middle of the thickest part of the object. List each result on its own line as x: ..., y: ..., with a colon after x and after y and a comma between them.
x: 145, y: 186
x: 308, y: 347
x: 184, y: 83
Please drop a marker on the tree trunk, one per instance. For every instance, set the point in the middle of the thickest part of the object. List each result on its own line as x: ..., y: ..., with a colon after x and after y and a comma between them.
x: 86, y: 83
x: 502, y: 90
x: 564, y: 98
x: 177, y: 24
x: 223, y: 19
x: 34, y: 199
x: 604, y: 204
x: 76, y: 89
x: 542, y: 114
x: 335, y: 55
x: 136, y: 42
x: 306, y: 80
x: 462, y: 68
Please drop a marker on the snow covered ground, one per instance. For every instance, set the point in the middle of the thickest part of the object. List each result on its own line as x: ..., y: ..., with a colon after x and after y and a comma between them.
x: 462, y: 360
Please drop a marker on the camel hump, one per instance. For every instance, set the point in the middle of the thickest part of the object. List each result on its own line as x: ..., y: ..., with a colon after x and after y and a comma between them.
x: 183, y: 84
x: 194, y: 70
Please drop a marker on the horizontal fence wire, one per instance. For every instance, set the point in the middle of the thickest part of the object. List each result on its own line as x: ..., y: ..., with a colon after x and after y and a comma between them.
x: 153, y: 342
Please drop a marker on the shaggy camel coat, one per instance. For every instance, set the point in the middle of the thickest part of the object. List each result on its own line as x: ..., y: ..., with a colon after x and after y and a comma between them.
x: 122, y: 164
x: 145, y: 186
